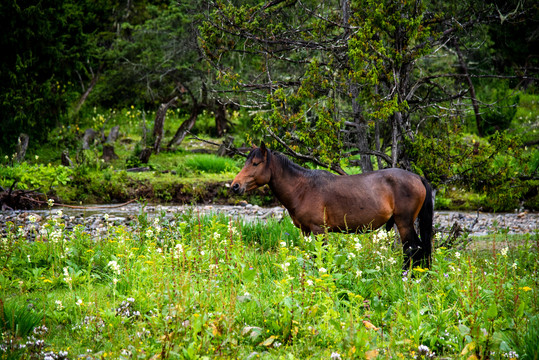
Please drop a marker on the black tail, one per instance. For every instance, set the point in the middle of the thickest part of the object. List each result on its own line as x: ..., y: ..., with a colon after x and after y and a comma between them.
x: 426, y: 215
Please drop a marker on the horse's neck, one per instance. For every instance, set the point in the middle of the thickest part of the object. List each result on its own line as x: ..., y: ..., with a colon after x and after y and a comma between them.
x: 287, y: 184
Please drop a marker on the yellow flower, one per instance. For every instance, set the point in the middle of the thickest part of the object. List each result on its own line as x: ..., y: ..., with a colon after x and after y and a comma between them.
x: 89, y: 250
x: 49, y: 281
x: 526, y: 288
x: 420, y: 269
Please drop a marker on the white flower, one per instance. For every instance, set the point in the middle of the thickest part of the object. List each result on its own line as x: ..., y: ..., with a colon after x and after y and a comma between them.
x: 32, y: 218
x: 285, y: 266
x: 79, y: 302
x: 106, y: 217
x: 310, y: 282
x: 67, y: 278
x: 216, y: 235
x: 60, y: 213
x: 457, y: 254
x: 358, y: 246
x: 351, y: 256
x: 50, y: 202
x: 178, y: 250
x: 59, y: 305
x: 28, y: 256
x: 114, y: 266
x: 322, y: 270
x: 514, y: 266
x: 283, y: 243
x: 359, y: 273
x: 37, y: 157
x: 149, y: 232
x: 504, y: 251
x: 309, y: 239
x: 335, y: 356
x: 114, y: 281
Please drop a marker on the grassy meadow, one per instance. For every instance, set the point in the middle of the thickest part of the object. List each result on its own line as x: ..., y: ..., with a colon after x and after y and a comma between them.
x: 196, y: 286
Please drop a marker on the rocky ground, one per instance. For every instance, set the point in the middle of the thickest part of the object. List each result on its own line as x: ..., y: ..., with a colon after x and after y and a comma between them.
x: 93, y: 217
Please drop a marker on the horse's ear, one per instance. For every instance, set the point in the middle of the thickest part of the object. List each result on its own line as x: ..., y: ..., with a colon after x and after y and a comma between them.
x: 262, y: 147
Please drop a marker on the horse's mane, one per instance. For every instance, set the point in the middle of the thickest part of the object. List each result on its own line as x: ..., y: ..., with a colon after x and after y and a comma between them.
x: 288, y: 164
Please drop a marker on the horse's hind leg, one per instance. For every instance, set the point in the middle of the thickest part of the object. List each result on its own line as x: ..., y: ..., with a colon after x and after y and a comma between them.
x: 411, y: 245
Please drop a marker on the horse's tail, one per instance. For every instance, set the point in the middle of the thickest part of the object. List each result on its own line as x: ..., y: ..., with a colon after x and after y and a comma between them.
x: 426, y: 215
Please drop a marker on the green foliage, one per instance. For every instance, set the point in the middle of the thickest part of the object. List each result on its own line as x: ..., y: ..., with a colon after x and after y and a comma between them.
x: 36, y: 176
x: 193, y: 285
x: 206, y: 163
x: 497, y: 166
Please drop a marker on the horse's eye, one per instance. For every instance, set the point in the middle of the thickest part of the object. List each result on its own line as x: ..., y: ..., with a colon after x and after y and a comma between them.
x: 255, y: 164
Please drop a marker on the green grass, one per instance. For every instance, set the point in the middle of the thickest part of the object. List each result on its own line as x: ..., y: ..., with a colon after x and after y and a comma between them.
x: 203, y: 286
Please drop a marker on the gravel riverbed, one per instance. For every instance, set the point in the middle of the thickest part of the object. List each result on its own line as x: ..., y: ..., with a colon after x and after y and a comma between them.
x: 93, y: 217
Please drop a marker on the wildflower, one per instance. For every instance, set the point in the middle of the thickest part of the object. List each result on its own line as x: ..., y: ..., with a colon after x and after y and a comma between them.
x: 283, y: 243
x: 514, y: 266
x: 335, y: 356
x: 114, y: 281
x: 79, y: 302
x: 178, y: 249
x: 60, y: 213
x: 310, y: 282
x: 28, y: 256
x: 322, y: 270
x: 149, y: 232
x: 59, y: 305
x: 50, y: 202
x: 504, y: 251
x: 285, y: 266
x: 457, y: 254
x: 392, y: 261
x: 359, y: 273
x: 67, y: 278
x: 32, y: 218
x: 351, y: 256
x: 37, y: 157
x: 525, y: 288
x: 358, y: 245
x: 216, y: 235
x: 114, y: 266
x: 106, y: 217
x: 377, y: 268
x: 309, y: 239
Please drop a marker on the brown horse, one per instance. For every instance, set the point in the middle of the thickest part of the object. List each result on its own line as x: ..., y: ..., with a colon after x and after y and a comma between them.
x: 319, y: 201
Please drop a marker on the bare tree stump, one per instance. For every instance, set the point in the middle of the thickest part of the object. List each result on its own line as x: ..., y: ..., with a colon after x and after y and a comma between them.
x: 108, y: 153
x: 88, y: 138
x: 145, y: 155
x: 159, y: 124
x: 66, y: 161
x: 22, y: 146
x: 113, y: 135
x: 224, y: 148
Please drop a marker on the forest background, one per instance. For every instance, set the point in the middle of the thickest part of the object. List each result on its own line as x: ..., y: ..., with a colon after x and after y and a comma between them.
x: 94, y: 88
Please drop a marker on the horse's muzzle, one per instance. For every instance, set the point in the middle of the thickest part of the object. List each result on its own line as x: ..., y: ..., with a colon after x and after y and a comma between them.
x: 237, y: 188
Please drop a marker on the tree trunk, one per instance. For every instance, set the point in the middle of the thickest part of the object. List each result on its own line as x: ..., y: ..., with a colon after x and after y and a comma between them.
x: 362, y: 131
x: 108, y: 153
x: 220, y: 119
x: 159, y: 124
x: 113, y: 135
x: 66, y: 161
x: 88, y: 138
x: 22, y: 145
x: 475, y: 104
x: 145, y: 154
x: 93, y: 82
x: 395, y: 139
x: 185, y: 127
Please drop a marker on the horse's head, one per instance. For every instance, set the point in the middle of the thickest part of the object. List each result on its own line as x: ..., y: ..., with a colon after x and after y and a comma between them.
x: 256, y: 171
